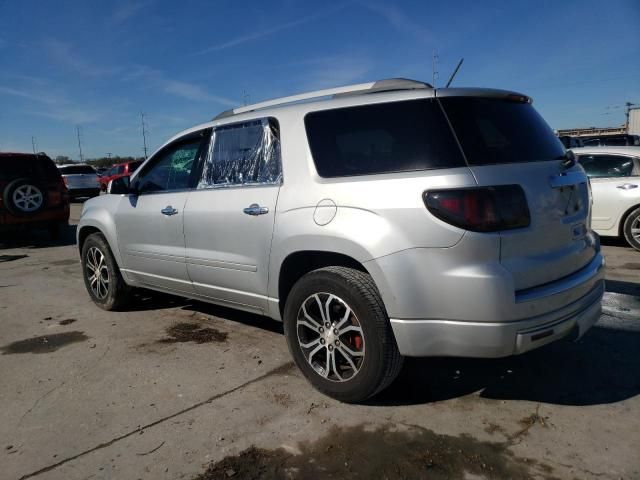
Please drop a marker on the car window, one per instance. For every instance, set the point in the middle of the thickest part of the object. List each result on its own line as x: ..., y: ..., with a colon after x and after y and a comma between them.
x: 496, y: 131
x: 382, y: 138
x: 21, y: 166
x: 119, y: 170
x: 601, y: 166
x: 246, y: 153
x: 171, y: 168
x: 133, y: 166
x: 77, y: 170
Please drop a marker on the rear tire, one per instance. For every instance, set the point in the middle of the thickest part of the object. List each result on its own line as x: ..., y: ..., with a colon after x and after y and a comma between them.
x: 631, y: 229
x: 101, y: 274
x: 348, y: 301
x: 24, y: 196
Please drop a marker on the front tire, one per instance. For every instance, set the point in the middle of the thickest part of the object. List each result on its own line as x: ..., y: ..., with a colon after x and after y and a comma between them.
x: 631, y: 229
x: 101, y: 274
x: 339, y: 334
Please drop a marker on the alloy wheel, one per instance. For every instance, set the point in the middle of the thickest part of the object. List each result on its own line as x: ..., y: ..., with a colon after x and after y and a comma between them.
x: 331, y: 337
x: 28, y: 198
x: 97, y: 273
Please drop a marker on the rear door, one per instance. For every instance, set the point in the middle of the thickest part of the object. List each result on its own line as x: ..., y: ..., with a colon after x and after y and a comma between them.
x: 615, y: 186
x: 507, y: 142
x: 229, y: 219
x: 149, y: 223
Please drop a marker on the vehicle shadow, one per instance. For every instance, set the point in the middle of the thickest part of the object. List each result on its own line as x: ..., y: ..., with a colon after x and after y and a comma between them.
x: 625, y: 288
x: 38, y: 238
x: 603, y: 367
x: 615, y: 242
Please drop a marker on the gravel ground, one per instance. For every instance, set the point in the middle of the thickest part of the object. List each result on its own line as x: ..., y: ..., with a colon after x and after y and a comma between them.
x: 180, y: 389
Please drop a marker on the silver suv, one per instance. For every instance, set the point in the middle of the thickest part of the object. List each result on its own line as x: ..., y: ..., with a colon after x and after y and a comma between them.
x: 377, y: 221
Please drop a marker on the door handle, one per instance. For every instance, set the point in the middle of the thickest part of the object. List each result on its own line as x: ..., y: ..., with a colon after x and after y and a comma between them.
x: 255, y: 209
x: 168, y: 210
x: 627, y: 186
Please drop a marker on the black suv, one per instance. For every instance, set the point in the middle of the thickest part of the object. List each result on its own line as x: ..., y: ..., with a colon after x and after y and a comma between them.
x: 32, y: 193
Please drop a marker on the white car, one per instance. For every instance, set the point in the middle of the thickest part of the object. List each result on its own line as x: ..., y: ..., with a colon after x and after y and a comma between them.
x: 81, y: 180
x: 614, y: 173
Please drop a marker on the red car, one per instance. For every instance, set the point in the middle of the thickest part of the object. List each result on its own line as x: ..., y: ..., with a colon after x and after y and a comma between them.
x: 117, y: 171
x: 32, y: 193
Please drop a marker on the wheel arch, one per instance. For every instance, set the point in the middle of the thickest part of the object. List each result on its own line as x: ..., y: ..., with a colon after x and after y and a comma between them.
x: 624, y: 217
x: 299, y: 263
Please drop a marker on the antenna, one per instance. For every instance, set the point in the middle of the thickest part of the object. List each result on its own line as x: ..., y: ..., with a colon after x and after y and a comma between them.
x: 144, y: 136
x: 78, y: 131
x: 454, y: 73
x: 33, y: 144
x: 434, y: 67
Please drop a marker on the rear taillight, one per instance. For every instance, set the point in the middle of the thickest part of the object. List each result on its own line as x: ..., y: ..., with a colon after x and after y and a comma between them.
x: 480, y: 209
x: 65, y: 181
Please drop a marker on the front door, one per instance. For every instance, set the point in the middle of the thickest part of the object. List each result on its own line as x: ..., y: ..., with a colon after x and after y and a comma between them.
x: 150, y: 221
x: 229, y: 219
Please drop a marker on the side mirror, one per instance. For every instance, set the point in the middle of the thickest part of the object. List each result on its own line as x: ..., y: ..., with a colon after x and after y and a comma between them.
x: 119, y: 186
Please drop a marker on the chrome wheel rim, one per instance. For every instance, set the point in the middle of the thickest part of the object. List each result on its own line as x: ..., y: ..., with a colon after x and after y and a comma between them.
x: 27, y: 198
x: 635, y: 229
x: 330, y: 337
x: 97, y: 273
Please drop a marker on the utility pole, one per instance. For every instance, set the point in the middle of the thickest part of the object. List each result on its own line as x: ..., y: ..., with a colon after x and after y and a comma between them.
x: 434, y: 67
x: 109, y: 155
x: 144, y: 135
x: 33, y: 144
x: 246, y: 97
x: 79, y: 143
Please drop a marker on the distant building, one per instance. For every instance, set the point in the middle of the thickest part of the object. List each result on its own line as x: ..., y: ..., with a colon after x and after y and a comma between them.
x: 634, y: 121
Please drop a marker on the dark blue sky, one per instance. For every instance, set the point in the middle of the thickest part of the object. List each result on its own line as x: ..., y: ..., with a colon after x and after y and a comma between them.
x: 98, y: 64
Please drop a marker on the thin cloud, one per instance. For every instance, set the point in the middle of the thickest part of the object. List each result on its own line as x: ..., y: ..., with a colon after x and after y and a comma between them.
x: 178, y: 88
x: 62, y: 53
x: 37, y: 97
x: 127, y: 11
x: 399, y: 20
x: 249, y: 37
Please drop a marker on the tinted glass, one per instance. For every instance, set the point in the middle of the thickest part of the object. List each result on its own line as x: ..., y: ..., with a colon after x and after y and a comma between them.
x: 383, y: 138
x: 171, y: 169
x: 120, y: 170
x: 494, y: 131
x: 244, y: 154
x: 25, y: 166
x: 133, y: 166
x: 77, y: 170
x: 606, y: 165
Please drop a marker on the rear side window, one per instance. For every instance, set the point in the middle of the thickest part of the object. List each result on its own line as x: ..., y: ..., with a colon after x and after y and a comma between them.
x: 77, y: 170
x: 119, y: 170
x: 382, y: 138
x: 603, y: 166
x: 133, y: 166
x: 246, y: 153
x: 495, y: 131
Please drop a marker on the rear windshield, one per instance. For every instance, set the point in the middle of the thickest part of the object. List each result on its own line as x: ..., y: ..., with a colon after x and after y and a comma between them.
x: 382, y: 138
x: 494, y: 131
x: 77, y: 170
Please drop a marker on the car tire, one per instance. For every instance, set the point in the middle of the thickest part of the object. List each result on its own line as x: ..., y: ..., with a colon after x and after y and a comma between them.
x: 631, y: 225
x: 24, y: 196
x: 359, y: 330
x: 101, y: 274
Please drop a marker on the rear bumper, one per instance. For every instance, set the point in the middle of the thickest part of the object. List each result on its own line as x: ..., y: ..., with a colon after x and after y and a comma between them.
x: 84, y: 192
x: 420, y: 338
x: 45, y: 217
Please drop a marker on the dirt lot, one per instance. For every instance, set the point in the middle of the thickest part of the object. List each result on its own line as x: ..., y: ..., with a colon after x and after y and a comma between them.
x: 181, y: 389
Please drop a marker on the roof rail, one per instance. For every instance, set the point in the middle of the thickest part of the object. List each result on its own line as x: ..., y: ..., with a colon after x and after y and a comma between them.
x: 386, y: 85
